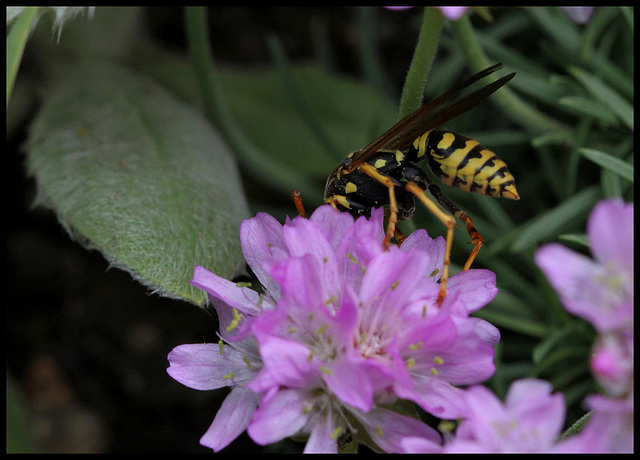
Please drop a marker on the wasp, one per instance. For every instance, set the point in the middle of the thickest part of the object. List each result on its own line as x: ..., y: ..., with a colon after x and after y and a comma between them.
x: 386, y: 173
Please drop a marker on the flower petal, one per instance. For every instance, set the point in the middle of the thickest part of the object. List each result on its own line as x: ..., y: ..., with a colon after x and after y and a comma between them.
x: 421, y: 241
x: 582, y: 286
x: 435, y: 396
x: 262, y: 241
x: 321, y: 437
x: 610, y: 230
x: 332, y: 224
x: 475, y: 288
x: 281, y: 416
x: 288, y: 361
x: 201, y: 366
x: 387, y: 428
x: 244, y: 299
x: 232, y: 419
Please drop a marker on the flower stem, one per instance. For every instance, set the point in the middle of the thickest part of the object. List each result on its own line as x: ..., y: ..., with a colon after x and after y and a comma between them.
x: 421, y: 63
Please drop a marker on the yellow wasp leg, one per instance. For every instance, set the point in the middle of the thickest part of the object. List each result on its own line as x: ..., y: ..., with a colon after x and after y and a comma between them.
x: 393, y: 204
x: 450, y: 206
x: 449, y: 221
x: 445, y: 218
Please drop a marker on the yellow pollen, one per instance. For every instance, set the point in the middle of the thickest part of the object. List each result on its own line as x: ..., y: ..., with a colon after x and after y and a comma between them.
x: 410, y: 363
x: 221, y: 346
x: 330, y: 300
x: 438, y: 360
x: 236, y: 320
x: 228, y: 376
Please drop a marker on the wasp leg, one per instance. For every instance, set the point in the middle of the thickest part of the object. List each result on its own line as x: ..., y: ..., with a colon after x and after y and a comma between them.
x: 297, y: 200
x: 450, y: 206
x: 449, y: 221
x: 391, y: 184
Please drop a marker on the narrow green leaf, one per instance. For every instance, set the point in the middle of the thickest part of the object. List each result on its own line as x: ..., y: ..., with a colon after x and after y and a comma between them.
x: 607, y: 96
x: 618, y: 166
x: 590, y: 108
x: 549, y: 223
x: 132, y: 172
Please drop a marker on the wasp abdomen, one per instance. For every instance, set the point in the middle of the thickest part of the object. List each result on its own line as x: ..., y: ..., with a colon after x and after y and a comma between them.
x: 462, y: 162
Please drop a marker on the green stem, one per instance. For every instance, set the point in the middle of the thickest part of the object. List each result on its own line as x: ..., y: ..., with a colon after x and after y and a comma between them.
x: 522, y: 112
x: 421, y: 63
x: 201, y: 59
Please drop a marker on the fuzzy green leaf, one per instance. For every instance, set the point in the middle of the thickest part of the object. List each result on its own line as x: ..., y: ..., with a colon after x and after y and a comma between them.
x: 133, y: 172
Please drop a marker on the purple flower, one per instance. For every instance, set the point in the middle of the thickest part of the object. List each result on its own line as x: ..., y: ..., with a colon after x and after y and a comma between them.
x: 579, y: 14
x: 612, y: 362
x: 529, y: 420
x: 609, y: 429
x: 599, y: 289
x: 344, y: 327
x: 453, y: 13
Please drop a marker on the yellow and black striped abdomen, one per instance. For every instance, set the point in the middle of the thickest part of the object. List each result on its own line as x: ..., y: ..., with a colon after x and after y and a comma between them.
x: 463, y: 163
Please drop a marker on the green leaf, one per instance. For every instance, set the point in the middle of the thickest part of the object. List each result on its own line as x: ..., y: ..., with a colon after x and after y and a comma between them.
x: 618, y: 166
x: 607, y: 96
x: 547, y: 224
x: 133, y: 172
x: 16, y: 41
x: 351, y: 113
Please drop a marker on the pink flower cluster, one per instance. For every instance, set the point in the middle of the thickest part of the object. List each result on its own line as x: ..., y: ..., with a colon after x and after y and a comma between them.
x: 342, y: 330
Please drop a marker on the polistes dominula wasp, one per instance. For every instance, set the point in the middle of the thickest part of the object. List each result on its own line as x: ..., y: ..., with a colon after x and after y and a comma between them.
x: 385, y: 172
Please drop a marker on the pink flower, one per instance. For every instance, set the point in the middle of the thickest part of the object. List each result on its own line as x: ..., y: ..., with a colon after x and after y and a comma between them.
x: 342, y: 328
x: 600, y: 289
x: 609, y: 430
x: 529, y: 420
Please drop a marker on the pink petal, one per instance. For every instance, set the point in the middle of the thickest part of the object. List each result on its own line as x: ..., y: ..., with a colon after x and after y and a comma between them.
x: 610, y: 231
x: 232, y: 419
x: 263, y: 243
x: 243, y: 299
x: 202, y: 367
x: 283, y: 415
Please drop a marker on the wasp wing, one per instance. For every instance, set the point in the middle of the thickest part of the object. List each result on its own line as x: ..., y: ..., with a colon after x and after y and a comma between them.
x: 429, y: 116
